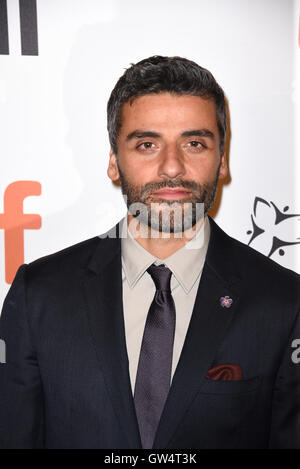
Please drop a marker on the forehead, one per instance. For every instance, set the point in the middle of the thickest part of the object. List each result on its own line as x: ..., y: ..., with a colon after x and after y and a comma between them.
x: 167, y: 111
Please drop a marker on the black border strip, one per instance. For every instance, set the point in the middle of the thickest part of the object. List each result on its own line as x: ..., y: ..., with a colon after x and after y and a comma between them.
x: 28, y: 22
x: 4, y: 46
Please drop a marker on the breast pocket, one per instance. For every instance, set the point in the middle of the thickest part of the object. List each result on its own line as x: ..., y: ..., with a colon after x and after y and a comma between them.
x: 231, y: 399
x: 211, y: 386
x: 219, y: 412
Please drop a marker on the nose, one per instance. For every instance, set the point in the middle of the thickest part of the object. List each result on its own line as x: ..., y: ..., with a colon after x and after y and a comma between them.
x: 171, y: 163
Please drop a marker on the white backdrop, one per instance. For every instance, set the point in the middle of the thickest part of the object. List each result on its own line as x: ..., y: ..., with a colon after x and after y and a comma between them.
x: 53, y: 115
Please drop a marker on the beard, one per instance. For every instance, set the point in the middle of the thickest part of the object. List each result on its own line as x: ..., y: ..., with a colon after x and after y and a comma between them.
x: 169, y: 216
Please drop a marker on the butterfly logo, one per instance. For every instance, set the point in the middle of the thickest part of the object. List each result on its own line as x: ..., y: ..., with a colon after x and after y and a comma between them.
x: 273, y: 229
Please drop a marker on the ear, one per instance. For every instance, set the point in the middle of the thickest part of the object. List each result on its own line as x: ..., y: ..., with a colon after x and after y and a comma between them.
x: 112, y: 170
x: 223, y: 167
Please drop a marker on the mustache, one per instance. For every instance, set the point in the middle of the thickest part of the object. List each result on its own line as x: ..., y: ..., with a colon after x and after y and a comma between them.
x: 150, y: 187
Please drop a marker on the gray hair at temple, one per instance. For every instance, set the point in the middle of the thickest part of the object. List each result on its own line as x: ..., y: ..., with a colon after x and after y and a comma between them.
x: 159, y: 74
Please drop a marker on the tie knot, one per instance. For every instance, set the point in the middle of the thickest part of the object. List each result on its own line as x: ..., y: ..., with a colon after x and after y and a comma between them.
x: 161, y: 276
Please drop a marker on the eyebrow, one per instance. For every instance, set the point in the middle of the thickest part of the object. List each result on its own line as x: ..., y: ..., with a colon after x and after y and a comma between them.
x: 199, y: 133
x: 186, y: 133
x: 142, y: 134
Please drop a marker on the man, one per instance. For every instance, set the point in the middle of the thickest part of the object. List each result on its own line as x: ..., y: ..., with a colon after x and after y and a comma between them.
x: 164, y: 332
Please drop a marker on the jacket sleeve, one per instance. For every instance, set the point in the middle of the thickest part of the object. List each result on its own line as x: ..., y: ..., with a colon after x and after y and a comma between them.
x: 21, y: 394
x: 285, y: 427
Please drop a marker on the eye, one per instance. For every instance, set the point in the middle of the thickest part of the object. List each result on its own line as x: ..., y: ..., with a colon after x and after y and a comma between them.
x: 146, y: 146
x: 196, y: 144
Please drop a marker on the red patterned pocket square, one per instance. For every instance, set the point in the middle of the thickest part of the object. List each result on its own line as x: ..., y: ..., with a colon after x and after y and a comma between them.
x: 225, y: 372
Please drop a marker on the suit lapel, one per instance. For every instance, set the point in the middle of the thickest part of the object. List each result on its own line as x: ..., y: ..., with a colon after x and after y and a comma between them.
x: 103, y: 296
x: 208, y: 326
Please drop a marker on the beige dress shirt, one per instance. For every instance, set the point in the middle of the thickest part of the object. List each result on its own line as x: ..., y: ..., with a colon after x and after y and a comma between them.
x: 186, y: 265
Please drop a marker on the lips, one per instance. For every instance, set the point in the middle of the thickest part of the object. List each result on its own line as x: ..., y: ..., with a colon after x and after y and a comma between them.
x: 172, y: 193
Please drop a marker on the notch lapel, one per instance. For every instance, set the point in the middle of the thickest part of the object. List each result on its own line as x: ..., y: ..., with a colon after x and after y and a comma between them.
x: 207, y: 328
x: 103, y: 296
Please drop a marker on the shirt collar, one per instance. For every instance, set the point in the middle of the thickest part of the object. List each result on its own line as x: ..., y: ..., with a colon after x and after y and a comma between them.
x: 186, y: 264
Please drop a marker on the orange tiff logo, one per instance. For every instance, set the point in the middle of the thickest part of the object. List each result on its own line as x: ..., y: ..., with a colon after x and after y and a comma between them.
x: 13, y: 221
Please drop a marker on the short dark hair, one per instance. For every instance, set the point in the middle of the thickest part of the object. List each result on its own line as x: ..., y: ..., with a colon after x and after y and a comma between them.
x: 159, y: 74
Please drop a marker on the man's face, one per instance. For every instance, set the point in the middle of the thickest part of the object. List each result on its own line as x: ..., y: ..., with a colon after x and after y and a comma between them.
x: 168, y: 155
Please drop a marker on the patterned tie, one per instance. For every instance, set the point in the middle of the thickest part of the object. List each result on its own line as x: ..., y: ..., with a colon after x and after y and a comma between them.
x: 155, y: 362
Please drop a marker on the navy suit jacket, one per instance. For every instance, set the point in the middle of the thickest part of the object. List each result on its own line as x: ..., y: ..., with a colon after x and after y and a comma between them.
x: 65, y: 383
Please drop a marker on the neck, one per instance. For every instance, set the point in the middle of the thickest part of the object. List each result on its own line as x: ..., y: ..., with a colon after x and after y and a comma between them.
x: 160, y: 244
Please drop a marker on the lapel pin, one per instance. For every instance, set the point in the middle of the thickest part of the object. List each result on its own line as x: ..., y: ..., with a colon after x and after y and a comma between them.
x: 226, y: 301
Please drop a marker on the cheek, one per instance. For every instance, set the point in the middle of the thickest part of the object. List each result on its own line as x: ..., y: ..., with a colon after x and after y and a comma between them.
x: 138, y: 172
x: 205, y: 169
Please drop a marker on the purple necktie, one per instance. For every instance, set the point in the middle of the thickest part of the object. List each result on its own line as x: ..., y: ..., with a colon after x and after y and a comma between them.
x: 154, y: 370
